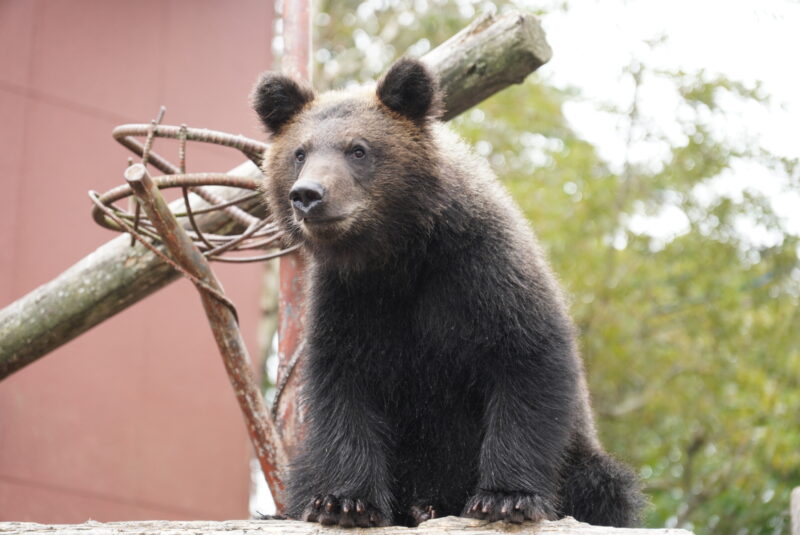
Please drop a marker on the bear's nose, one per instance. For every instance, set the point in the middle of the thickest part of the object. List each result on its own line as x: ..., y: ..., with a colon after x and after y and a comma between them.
x: 306, y: 195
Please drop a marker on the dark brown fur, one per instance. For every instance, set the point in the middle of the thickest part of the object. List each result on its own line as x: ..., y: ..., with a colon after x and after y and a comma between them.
x: 442, y: 374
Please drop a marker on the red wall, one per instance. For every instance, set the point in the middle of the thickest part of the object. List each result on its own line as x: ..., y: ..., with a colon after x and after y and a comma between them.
x: 135, y: 419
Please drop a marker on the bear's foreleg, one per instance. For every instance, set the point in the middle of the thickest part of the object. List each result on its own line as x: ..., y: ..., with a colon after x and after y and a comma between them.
x: 526, y: 430
x: 341, y: 476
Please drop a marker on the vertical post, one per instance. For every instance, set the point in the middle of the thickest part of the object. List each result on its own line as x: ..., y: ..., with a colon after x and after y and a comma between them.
x: 296, y: 63
x: 224, y: 325
x: 297, y: 39
x: 795, y: 511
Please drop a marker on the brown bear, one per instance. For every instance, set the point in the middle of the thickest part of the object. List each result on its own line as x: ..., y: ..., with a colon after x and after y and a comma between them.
x: 442, y: 376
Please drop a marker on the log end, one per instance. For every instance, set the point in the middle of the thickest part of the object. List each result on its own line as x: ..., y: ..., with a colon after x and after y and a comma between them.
x: 534, y: 38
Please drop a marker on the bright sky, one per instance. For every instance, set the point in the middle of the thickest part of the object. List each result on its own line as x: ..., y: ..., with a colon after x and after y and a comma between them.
x: 745, y: 40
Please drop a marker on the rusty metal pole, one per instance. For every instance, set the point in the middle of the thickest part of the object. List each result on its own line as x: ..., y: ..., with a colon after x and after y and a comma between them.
x: 224, y: 325
x: 296, y: 63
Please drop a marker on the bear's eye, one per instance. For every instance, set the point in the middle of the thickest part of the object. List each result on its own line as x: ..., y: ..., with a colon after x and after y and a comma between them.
x: 300, y: 155
x: 358, y: 152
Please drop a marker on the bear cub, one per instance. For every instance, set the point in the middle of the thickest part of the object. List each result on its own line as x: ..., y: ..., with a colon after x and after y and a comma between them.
x: 442, y: 376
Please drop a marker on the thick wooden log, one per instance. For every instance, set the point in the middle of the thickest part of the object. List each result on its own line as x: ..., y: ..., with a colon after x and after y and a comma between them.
x: 444, y: 526
x: 485, y: 57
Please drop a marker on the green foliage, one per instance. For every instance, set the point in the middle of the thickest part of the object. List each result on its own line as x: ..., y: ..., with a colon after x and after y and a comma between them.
x: 691, y: 339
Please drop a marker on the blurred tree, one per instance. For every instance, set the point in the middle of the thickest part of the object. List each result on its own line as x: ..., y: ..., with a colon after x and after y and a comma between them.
x: 691, y: 337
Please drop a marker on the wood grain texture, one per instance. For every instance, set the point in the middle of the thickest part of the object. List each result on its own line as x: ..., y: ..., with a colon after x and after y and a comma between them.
x: 441, y: 526
x: 486, y: 57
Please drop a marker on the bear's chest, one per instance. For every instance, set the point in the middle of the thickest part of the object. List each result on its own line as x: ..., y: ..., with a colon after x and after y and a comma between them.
x: 398, y: 341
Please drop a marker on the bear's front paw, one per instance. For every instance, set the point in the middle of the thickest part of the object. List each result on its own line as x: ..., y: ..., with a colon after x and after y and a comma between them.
x: 333, y: 510
x: 514, y: 507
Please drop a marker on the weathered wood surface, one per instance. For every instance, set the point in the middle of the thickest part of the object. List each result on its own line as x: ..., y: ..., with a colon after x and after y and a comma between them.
x: 795, y: 511
x: 441, y: 526
x: 485, y: 57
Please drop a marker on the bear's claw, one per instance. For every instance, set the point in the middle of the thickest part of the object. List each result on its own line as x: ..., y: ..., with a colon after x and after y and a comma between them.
x: 514, y: 507
x: 331, y: 510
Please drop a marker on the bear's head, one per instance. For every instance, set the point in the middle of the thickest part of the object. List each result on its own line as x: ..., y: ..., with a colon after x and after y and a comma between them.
x: 353, y: 174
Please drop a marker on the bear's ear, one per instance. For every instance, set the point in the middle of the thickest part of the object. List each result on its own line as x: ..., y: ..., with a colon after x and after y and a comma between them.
x: 277, y: 98
x: 410, y: 89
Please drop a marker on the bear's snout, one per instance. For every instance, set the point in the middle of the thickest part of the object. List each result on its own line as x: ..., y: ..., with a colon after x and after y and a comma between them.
x: 307, y: 198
